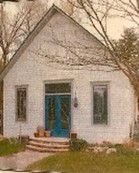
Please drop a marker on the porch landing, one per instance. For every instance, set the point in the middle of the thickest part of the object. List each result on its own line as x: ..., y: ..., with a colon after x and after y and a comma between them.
x: 49, y: 144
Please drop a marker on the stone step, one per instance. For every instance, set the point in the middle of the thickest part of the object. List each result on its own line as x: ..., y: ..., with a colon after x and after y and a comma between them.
x: 62, y: 141
x: 49, y: 145
x: 51, y: 150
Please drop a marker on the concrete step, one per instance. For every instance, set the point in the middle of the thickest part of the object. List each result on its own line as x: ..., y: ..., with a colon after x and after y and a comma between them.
x: 50, y: 150
x: 48, y: 145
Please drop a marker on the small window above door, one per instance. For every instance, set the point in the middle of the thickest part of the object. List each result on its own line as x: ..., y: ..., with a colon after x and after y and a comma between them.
x: 58, y: 88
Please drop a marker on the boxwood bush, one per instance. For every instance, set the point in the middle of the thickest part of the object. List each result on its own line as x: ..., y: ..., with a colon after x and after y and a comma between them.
x: 78, y: 144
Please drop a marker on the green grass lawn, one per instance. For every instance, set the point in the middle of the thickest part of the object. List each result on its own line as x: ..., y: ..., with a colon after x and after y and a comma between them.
x: 8, y: 147
x: 83, y: 162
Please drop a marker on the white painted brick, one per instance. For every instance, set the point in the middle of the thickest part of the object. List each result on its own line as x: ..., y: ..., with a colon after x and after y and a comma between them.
x: 32, y: 71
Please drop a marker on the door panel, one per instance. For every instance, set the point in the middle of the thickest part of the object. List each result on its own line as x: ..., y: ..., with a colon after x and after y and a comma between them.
x: 50, y: 117
x: 51, y: 107
x: 57, y: 115
x: 65, y: 107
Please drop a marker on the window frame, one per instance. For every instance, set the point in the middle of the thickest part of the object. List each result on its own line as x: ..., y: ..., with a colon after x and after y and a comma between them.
x: 16, y: 99
x: 108, y: 103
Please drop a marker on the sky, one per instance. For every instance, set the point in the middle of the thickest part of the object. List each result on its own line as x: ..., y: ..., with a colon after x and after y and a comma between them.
x: 115, y: 26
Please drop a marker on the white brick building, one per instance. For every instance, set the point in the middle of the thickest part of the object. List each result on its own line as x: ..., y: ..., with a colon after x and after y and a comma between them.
x: 44, y: 93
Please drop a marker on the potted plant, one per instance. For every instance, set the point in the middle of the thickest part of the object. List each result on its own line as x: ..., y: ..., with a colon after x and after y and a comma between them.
x: 40, y: 131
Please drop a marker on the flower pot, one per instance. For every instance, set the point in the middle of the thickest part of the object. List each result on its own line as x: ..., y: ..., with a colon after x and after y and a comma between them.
x: 73, y: 135
x: 36, y: 135
x: 47, y: 133
x: 41, y: 134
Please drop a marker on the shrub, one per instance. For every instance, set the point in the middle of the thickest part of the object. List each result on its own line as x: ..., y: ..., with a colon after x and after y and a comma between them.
x: 78, y: 144
x: 10, y: 146
x: 136, y: 137
x: 123, y: 149
x: 107, y: 144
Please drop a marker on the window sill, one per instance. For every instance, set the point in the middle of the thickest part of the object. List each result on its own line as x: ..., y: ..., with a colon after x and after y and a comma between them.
x: 102, y: 124
x: 21, y: 120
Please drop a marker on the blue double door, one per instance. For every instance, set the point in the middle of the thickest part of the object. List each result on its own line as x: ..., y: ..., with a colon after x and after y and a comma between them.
x: 57, y: 114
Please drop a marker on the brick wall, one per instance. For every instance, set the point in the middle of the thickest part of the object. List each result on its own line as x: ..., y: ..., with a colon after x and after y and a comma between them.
x: 34, y: 70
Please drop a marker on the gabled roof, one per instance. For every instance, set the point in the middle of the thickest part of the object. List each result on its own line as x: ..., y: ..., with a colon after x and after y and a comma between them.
x: 40, y: 25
